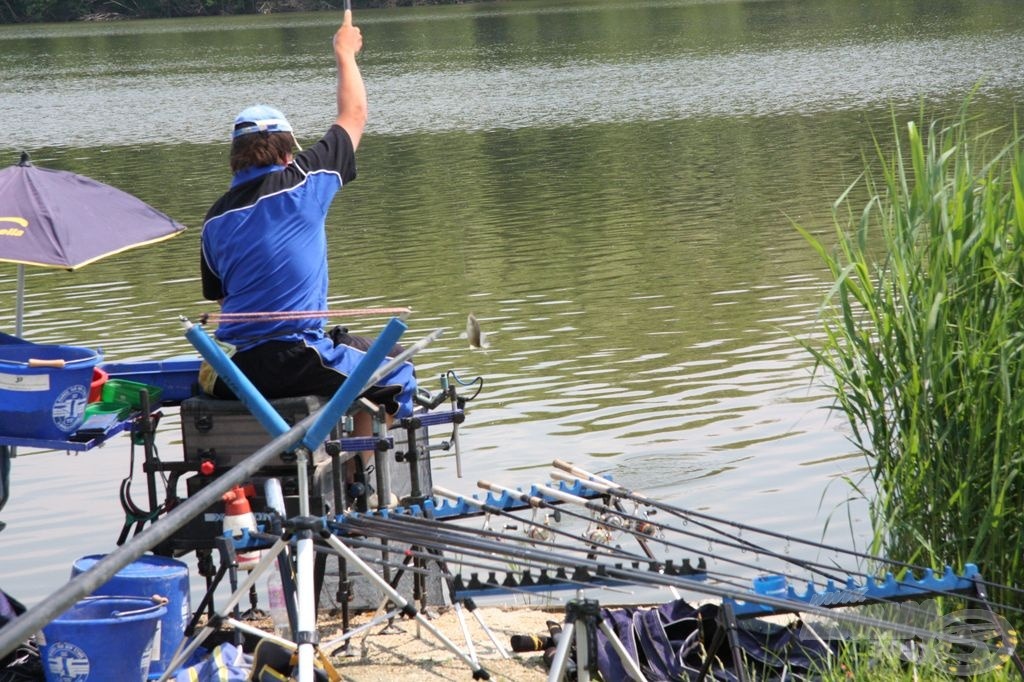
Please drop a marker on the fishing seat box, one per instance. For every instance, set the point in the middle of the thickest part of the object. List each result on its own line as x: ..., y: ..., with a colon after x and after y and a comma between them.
x: 225, y: 432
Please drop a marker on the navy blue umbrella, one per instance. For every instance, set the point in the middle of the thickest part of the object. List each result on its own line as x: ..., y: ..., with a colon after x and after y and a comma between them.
x: 57, y: 219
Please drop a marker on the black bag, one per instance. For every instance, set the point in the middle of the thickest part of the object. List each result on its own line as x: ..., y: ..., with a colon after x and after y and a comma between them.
x: 23, y: 664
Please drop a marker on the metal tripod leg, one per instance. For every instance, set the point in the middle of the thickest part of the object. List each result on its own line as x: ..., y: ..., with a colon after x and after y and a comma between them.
x: 487, y: 630
x: 187, y: 648
x: 727, y: 627
x: 438, y: 558
x: 589, y: 612
x: 470, y: 649
x: 406, y: 608
x: 561, y: 659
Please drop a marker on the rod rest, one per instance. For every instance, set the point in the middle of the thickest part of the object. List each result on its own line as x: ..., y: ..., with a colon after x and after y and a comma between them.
x: 560, y: 578
x: 433, y: 419
x: 359, y: 444
x: 449, y: 509
x: 872, y: 590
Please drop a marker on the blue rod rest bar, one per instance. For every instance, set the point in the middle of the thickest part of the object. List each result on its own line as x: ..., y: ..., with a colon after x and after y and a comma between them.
x: 454, y: 508
x: 240, y: 385
x: 872, y: 590
x: 350, y: 389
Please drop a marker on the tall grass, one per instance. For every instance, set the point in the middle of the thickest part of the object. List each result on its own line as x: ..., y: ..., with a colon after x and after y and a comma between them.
x: 923, y: 335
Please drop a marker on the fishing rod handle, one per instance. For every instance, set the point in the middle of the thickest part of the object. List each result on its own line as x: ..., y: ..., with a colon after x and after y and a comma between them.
x: 583, y: 474
x: 613, y: 488
x: 451, y: 495
x: 567, y: 497
x: 516, y: 494
x: 593, y: 484
x: 568, y: 466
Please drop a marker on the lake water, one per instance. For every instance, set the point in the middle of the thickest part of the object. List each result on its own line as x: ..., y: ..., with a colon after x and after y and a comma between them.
x: 610, y: 187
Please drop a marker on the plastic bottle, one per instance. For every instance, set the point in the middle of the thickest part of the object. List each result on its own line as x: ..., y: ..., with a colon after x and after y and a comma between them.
x: 278, y: 609
x: 238, y: 516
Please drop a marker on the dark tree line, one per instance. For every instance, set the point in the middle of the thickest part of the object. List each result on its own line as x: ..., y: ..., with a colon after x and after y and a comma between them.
x: 31, y: 11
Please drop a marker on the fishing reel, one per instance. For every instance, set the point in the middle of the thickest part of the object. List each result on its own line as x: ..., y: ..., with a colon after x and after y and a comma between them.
x: 607, y: 526
x: 540, y: 531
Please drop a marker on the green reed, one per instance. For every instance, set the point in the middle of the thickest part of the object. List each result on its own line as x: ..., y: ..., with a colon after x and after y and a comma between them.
x: 923, y: 334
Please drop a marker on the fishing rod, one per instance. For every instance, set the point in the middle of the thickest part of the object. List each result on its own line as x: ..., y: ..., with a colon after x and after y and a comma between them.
x: 424, y: 532
x: 979, y: 598
x: 277, y: 315
x: 410, y: 529
x: 540, y: 529
x: 733, y: 541
x: 601, y: 508
x: 567, y: 570
x: 428, y: 532
x: 437, y: 539
x: 434, y: 552
x: 884, y: 593
x: 540, y: 503
x: 609, y: 487
x: 617, y: 574
x: 604, y: 487
x: 641, y: 529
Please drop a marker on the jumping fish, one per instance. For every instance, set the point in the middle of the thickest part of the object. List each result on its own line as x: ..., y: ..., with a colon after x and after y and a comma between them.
x: 477, y: 339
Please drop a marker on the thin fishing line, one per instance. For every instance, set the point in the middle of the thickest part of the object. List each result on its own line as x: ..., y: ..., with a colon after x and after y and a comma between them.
x: 617, y: 490
x: 299, y: 314
x: 384, y: 529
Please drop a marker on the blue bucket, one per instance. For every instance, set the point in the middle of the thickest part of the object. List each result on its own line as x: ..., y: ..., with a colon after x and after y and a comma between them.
x: 146, y: 576
x: 101, y: 639
x: 44, y: 389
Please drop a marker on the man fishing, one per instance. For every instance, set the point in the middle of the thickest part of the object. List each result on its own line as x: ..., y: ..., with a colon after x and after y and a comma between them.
x: 264, y: 252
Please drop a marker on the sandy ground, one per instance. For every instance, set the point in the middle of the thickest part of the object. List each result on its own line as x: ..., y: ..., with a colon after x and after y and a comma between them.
x: 406, y: 650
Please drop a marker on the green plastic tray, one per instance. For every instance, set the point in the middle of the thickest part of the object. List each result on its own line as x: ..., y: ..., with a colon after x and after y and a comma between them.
x: 124, y: 391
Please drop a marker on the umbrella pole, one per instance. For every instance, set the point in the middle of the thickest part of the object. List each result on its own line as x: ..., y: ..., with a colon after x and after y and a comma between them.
x: 19, y: 318
x: 19, y: 302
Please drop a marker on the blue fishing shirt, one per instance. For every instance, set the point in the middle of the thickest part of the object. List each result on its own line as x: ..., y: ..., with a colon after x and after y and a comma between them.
x: 264, y: 246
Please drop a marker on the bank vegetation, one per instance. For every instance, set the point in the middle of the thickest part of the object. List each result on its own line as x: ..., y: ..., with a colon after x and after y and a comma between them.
x: 923, y: 335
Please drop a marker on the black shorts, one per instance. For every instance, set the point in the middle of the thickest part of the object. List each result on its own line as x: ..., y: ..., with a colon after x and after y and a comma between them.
x: 286, y: 369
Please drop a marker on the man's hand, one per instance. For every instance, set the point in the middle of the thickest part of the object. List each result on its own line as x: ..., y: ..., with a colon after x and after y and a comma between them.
x: 352, y: 106
x: 348, y: 40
